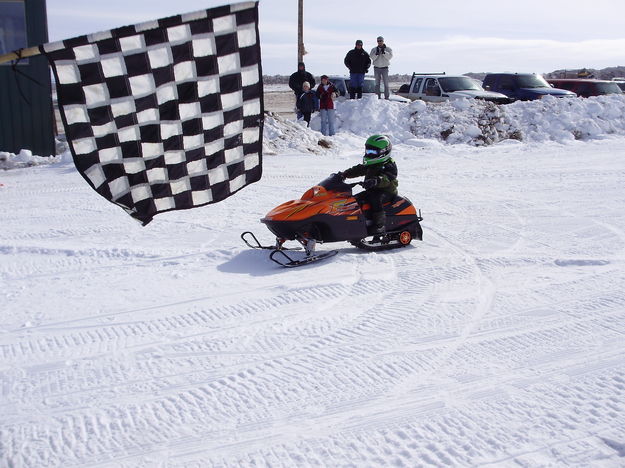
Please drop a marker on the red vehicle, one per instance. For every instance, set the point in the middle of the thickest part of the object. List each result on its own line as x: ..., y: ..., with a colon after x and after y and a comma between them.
x: 328, y: 212
x: 585, y: 87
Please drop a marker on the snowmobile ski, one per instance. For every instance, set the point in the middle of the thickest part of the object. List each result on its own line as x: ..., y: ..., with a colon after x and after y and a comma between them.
x: 279, y: 255
x: 254, y: 243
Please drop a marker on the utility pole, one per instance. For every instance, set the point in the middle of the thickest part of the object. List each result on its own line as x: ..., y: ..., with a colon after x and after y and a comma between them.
x: 300, y: 31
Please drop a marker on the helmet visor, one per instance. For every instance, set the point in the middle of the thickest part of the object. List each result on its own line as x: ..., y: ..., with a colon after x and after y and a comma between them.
x: 371, y: 151
x: 370, y: 160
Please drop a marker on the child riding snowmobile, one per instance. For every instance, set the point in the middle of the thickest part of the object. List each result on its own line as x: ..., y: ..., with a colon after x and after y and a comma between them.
x: 329, y: 212
x: 380, y: 183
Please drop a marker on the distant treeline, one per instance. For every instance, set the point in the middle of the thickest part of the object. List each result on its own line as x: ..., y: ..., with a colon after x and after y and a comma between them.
x: 602, y: 74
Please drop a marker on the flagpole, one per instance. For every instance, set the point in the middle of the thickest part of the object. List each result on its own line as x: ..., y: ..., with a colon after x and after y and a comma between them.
x: 20, y: 53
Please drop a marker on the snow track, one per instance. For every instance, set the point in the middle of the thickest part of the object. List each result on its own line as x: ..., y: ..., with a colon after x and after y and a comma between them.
x: 495, y: 342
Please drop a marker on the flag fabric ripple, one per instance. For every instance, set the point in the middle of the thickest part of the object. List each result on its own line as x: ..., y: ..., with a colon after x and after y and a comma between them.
x: 165, y: 115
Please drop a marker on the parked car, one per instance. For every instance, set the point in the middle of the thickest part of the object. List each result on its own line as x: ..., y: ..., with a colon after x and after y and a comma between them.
x: 586, y: 88
x: 522, y: 86
x: 342, y: 85
x: 441, y: 87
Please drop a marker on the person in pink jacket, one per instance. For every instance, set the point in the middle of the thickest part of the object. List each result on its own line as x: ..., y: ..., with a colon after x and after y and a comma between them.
x: 326, y: 93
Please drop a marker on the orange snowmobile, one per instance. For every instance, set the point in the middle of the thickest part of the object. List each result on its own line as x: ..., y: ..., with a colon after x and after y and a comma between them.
x: 328, y: 212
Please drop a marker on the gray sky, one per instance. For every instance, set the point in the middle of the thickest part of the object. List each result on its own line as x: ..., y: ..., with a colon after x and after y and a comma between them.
x: 454, y: 36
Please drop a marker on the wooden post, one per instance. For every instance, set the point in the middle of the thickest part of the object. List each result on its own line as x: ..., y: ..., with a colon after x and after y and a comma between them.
x: 300, y: 31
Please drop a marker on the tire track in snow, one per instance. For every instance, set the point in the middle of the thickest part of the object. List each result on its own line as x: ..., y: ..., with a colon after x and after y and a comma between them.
x: 354, y: 379
x: 485, y: 293
x: 121, y: 428
x: 96, y: 338
x: 317, y: 385
x: 464, y: 428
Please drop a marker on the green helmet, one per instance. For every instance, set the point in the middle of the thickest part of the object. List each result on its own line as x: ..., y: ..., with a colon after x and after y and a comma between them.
x: 377, y: 150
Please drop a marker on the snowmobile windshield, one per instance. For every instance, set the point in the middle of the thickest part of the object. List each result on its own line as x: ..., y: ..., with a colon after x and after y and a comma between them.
x: 531, y: 81
x: 460, y: 83
x: 335, y: 183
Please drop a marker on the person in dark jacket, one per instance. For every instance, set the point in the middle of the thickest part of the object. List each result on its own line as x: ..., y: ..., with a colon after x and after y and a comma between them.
x: 297, y: 79
x: 380, y: 183
x: 358, y: 62
x: 308, y: 102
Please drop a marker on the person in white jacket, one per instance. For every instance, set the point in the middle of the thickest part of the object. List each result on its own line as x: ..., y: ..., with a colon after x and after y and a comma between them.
x: 381, y: 56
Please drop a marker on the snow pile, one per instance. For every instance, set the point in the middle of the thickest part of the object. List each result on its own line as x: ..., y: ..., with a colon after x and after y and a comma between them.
x: 371, y: 115
x: 282, y: 135
x: 553, y: 119
x: 24, y: 158
x: 466, y: 121
x: 460, y: 121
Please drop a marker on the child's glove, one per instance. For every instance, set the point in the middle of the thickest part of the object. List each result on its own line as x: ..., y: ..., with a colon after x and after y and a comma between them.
x: 369, y: 183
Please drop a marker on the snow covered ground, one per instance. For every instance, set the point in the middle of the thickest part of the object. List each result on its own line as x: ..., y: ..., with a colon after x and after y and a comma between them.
x: 497, y: 341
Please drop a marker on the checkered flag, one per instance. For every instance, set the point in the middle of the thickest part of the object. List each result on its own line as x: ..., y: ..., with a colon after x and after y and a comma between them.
x: 165, y: 115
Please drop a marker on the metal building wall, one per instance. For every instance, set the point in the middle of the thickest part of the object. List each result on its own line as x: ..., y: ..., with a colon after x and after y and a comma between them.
x: 28, y: 125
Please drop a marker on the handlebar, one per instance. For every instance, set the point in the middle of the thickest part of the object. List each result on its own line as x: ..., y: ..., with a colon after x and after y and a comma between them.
x: 337, y: 178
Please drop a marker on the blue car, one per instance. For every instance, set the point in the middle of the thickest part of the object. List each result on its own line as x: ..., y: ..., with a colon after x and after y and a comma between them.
x: 522, y: 86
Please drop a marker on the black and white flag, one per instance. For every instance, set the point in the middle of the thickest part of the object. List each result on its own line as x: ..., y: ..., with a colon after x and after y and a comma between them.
x: 165, y: 115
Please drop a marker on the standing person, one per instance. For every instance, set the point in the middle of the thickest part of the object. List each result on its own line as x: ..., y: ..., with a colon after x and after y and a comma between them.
x: 326, y: 92
x: 307, y: 103
x: 358, y: 62
x: 381, y: 58
x: 297, y: 79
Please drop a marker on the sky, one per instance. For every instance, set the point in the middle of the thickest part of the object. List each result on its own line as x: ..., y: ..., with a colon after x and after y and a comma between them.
x: 449, y: 36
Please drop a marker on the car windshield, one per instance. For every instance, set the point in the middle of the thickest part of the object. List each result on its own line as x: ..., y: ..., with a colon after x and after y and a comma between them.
x: 459, y: 83
x: 369, y: 86
x: 608, y: 88
x: 531, y: 81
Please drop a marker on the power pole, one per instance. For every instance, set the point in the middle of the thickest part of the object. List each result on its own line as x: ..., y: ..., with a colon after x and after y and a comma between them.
x: 300, y: 31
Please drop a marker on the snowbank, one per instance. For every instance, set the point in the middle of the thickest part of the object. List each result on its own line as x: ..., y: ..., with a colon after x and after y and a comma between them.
x: 283, y: 135
x: 25, y: 158
x: 464, y: 121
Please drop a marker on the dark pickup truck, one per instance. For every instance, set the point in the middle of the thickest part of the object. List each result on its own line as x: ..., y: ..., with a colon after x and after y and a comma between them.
x: 522, y: 86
